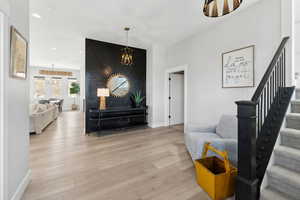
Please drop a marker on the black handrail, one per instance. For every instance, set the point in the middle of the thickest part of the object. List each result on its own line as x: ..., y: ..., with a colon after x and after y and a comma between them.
x: 270, y: 69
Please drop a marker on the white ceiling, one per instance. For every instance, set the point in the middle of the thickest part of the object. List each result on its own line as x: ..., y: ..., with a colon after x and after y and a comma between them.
x: 58, y: 36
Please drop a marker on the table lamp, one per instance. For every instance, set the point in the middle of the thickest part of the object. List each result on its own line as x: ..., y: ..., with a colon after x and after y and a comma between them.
x: 102, y: 93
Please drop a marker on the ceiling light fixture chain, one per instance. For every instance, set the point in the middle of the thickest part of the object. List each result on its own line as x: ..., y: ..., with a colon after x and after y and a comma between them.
x: 127, y: 53
x: 127, y: 33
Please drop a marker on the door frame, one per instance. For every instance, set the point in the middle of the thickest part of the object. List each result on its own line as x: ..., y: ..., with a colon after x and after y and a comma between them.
x: 169, y: 71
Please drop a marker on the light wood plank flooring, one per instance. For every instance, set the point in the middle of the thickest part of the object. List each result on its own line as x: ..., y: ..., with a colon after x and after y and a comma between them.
x: 138, y: 165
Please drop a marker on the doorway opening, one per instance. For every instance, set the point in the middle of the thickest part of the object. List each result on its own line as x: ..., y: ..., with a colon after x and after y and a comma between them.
x: 176, y: 99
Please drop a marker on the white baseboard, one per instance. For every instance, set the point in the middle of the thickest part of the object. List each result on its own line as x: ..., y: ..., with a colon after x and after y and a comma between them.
x: 157, y: 124
x: 22, y: 187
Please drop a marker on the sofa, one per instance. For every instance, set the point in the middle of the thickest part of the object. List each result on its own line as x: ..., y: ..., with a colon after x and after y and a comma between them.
x: 41, y: 115
x: 222, y: 136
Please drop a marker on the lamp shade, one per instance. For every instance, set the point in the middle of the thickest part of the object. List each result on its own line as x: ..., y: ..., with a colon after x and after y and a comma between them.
x: 103, y: 92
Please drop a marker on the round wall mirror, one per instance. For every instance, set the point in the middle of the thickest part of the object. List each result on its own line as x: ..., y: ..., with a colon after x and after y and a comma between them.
x: 118, y: 85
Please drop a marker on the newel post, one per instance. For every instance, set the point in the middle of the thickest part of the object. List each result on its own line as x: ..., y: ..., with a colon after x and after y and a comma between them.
x: 246, y: 182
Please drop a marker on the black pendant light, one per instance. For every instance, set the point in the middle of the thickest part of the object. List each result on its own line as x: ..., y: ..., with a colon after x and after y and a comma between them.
x: 127, y: 53
x: 218, y: 8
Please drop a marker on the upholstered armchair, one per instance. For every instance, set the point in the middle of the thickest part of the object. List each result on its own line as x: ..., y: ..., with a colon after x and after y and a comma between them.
x: 222, y: 136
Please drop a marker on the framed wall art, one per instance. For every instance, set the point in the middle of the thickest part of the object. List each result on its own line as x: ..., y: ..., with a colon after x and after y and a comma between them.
x: 18, y: 55
x: 238, y: 68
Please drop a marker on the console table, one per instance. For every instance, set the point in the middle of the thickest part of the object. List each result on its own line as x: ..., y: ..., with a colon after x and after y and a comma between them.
x: 114, y: 118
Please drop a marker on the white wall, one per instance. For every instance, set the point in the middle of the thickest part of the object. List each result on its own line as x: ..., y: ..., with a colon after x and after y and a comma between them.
x: 297, y: 68
x: 259, y: 25
x: 156, y: 64
x: 4, y: 6
x: 82, y: 79
x: 3, y: 137
x: 68, y: 101
x: 149, y: 80
x: 288, y: 29
x: 297, y: 51
x: 15, y: 103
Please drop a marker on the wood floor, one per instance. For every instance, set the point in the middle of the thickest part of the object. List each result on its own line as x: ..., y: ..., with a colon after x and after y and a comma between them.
x: 138, y: 165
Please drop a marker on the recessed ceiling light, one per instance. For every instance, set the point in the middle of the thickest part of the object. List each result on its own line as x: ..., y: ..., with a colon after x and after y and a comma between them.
x: 53, y: 49
x: 35, y: 15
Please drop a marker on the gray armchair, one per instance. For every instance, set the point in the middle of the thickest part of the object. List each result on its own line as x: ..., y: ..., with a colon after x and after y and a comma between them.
x: 223, y: 136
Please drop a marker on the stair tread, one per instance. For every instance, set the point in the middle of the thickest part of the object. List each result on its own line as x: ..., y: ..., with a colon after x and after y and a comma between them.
x: 283, y: 173
x: 285, y: 181
x: 271, y: 194
x: 286, y: 151
x: 291, y: 132
x: 297, y: 101
x: 293, y: 115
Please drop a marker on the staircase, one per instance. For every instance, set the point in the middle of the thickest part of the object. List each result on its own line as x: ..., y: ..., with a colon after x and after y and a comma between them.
x: 259, y: 126
x: 284, y: 174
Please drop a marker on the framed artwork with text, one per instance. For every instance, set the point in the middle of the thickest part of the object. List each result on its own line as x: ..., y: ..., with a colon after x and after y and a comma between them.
x: 18, y: 55
x: 238, y: 68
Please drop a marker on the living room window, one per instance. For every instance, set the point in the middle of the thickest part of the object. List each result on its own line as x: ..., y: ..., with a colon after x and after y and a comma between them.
x: 40, y: 87
x: 70, y: 86
x: 56, y: 87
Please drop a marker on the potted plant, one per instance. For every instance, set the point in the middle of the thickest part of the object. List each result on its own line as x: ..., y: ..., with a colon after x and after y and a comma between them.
x: 137, y: 99
x: 74, y: 91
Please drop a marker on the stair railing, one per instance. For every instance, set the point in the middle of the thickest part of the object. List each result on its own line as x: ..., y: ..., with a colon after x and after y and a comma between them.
x: 259, y: 123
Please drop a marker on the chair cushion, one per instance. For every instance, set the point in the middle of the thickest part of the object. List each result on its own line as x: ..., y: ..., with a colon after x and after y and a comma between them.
x: 231, y: 146
x: 195, y: 141
x: 227, y: 127
x: 41, y: 108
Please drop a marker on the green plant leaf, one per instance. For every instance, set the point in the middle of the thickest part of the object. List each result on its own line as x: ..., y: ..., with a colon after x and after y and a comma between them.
x: 75, y: 88
x: 137, y: 97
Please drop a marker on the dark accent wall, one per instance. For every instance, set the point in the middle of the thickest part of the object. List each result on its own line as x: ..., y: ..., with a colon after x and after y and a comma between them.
x: 103, y: 60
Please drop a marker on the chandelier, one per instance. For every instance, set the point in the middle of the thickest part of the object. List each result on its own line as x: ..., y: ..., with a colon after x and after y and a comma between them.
x: 212, y: 8
x: 127, y: 53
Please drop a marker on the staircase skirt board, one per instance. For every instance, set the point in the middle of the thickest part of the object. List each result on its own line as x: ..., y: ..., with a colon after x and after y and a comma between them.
x: 270, y: 130
x: 285, y: 181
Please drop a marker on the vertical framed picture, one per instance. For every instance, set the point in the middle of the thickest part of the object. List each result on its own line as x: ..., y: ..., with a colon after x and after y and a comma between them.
x: 18, y: 55
x: 238, y: 68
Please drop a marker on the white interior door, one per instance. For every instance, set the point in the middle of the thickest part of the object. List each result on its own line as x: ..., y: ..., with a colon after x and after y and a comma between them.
x: 176, y: 100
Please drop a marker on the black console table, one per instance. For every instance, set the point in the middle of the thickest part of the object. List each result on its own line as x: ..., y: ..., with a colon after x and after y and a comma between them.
x: 116, y: 118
